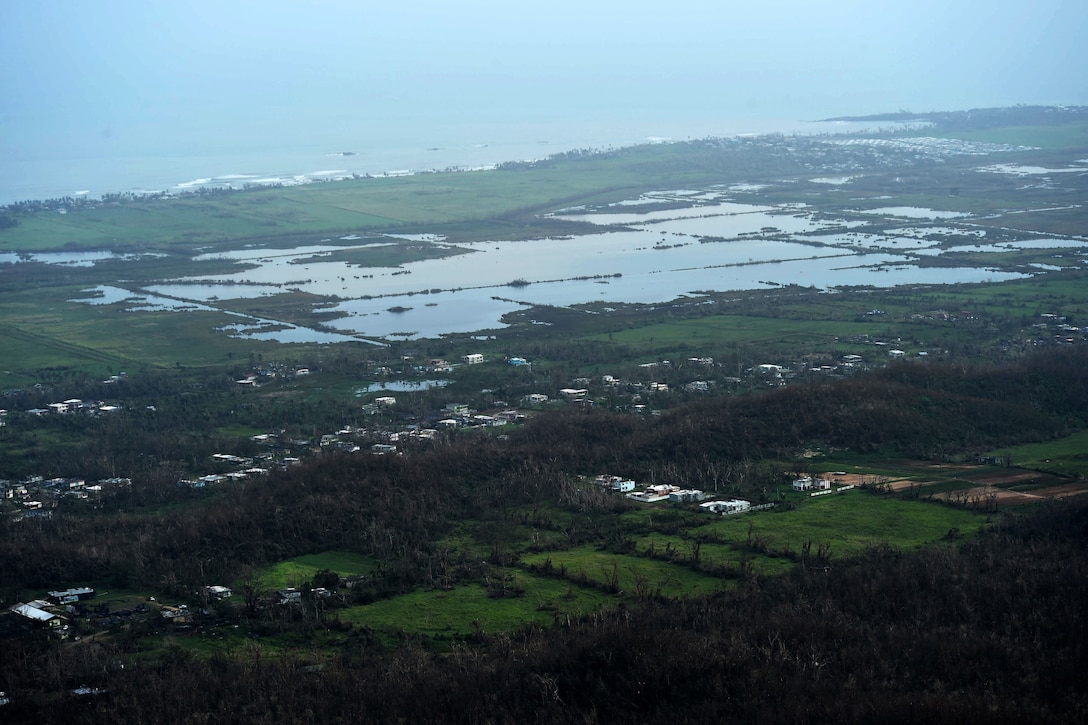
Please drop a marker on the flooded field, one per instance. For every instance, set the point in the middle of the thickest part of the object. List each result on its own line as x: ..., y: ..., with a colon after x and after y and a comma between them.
x: 654, y: 248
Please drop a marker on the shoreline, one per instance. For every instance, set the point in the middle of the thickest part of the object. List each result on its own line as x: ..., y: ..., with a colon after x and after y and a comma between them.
x: 282, y: 168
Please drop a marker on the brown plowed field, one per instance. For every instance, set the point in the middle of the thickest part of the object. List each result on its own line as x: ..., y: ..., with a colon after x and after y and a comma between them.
x: 994, y: 485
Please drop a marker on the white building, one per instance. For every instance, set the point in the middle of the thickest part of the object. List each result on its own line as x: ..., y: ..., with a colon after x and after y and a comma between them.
x: 726, y: 508
x: 615, y: 483
x: 808, y: 483
x: 686, y: 496
x: 660, y: 492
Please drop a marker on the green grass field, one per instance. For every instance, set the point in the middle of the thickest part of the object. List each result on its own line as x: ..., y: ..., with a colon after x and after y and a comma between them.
x: 377, y: 204
x: 631, y: 574
x: 1071, y: 135
x: 848, y: 524
x: 464, y: 609
x: 660, y: 564
x: 295, y: 572
x: 739, y: 329
x: 712, y: 554
x: 1066, y: 456
x: 44, y: 329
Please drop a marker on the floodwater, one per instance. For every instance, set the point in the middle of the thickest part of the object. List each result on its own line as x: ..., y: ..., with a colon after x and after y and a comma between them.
x: 912, y: 212
x: 649, y: 256
x: 401, y: 386
x: 249, y: 327
x: 69, y: 259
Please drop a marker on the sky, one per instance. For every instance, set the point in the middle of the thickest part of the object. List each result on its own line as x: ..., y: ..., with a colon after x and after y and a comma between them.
x: 87, y: 77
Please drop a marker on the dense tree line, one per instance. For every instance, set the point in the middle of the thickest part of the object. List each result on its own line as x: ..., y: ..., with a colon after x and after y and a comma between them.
x: 993, y: 629
x: 947, y: 633
x: 394, y: 507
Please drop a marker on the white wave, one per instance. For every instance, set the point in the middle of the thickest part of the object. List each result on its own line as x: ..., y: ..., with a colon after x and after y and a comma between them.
x: 194, y: 182
x: 329, y: 172
x: 81, y: 192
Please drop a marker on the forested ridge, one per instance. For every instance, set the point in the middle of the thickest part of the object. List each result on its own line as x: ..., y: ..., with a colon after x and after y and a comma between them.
x: 993, y: 630
x: 394, y: 506
x: 990, y: 629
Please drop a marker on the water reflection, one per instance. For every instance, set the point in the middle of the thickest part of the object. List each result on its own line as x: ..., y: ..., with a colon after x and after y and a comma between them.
x: 638, y: 256
x: 71, y: 259
x: 401, y: 386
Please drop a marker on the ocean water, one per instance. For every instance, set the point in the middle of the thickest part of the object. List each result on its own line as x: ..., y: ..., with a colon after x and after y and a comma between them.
x: 178, y: 160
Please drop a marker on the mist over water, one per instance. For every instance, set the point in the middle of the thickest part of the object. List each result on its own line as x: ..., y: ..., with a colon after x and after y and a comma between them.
x: 234, y: 156
x: 125, y: 95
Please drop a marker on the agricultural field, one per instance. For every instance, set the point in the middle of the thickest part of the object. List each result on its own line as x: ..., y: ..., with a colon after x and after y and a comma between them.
x: 663, y: 551
x: 259, y: 401
x: 1066, y: 456
x: 301, y: 569
x: 347, y: 279
x: 507, y: 602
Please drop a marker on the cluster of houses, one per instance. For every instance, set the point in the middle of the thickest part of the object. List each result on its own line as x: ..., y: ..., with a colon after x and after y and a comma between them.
x: 655, y: 493
x: 53, y: 612
x: 1064, y: 333
x: 667, y: 492
x: 808, y: 483
x: 818, y: 486
x: 36, y: 496
x: 58, y: 609
x: 243, y: 468
x: 459, y: 415
x: 73, y: 405
x: 618, y: 484
x: 269, y: 373
x: 582, y: 390
x: 727, y: 507
x: 348, y: 439
x: 275, y: 371
x: 293, y: 595
x: 673, y: 494
x: 630, y: 395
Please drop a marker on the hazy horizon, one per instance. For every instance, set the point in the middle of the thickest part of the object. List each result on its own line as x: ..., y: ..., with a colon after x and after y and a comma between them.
x: 119, y: 79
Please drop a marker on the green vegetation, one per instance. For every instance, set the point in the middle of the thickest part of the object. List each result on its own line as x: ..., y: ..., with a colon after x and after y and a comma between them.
x: 626, y: 574
x: 402, y: 203
x: 743, y: 330
x: 1066, y: 456
x: 848, y: 524
x: 464, y: 610
x: 301, y: 569
x: 1062, y: 136
x: 473, y: 557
